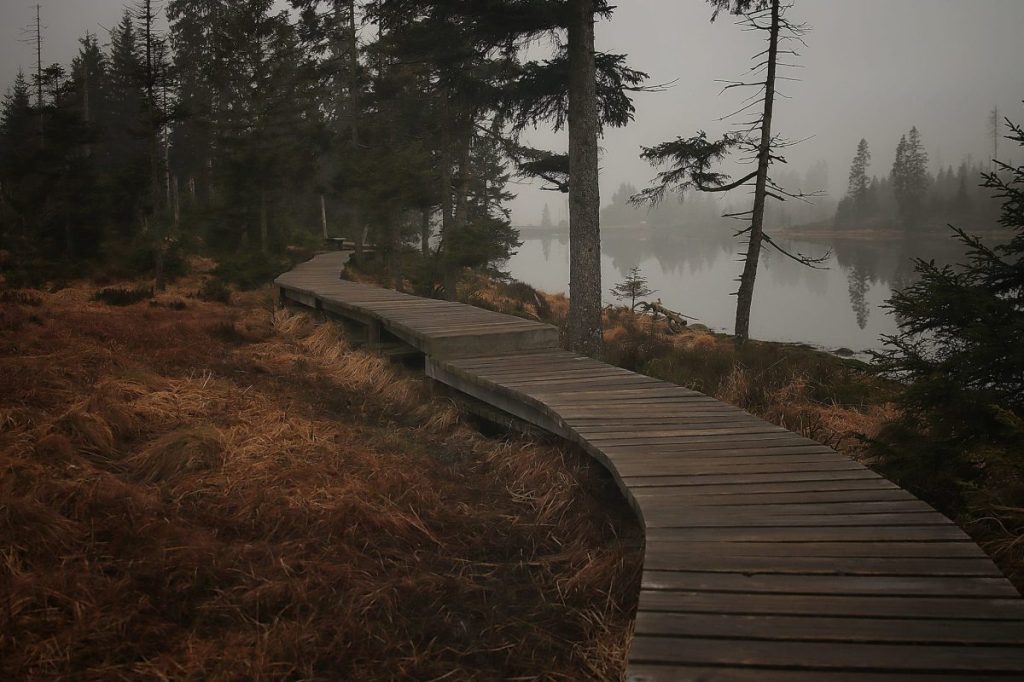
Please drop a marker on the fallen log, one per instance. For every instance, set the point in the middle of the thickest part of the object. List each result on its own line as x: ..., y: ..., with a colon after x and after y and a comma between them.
x: 676, y: 320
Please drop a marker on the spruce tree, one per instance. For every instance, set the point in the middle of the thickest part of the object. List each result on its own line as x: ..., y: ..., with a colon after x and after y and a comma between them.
x: 125, y: 148
x: 910, y: 179
x: 18, y: 149
x: 958, y: 346
x: 857, y: 187
x: 633, y: 288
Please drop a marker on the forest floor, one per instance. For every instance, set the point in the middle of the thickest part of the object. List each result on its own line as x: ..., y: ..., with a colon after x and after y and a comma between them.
x: 194, y: 489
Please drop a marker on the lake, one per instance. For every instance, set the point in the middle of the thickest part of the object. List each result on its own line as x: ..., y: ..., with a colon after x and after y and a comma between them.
x: 839, y: 305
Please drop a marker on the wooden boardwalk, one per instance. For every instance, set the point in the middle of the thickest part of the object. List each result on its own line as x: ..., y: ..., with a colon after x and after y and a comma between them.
x: 767, y: 556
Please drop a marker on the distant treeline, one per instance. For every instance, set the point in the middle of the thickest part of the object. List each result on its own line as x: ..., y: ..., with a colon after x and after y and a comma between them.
x: 242, y: 130
x: 910, y: 197
x: 692, y: 210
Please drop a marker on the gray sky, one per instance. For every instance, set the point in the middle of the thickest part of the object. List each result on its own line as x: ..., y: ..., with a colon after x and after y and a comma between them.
x: 872, y: 68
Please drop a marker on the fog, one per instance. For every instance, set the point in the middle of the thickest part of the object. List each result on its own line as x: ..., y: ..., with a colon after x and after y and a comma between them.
x: 871, y: 68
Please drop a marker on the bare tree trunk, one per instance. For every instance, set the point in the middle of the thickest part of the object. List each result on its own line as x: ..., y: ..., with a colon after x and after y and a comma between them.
x: 745, y: 295
x: 395, y: 250
x: 447, y: 212
x: 39, y: 78
x: 425, y: 231
x: 323, y: 216
x: 460, y: 214
x: 159, y: 277
x: 177, y: 204
x: 584, y: 193
x: 358, y: 234
x: 264, y: 223
x: 353, y: 64
x: 358, y: 229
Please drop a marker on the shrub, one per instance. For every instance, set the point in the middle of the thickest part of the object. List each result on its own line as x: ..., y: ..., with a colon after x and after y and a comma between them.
x: 251, y: 270
x: 122, y: 296
x: 215, y: 291
x: 20, y: 297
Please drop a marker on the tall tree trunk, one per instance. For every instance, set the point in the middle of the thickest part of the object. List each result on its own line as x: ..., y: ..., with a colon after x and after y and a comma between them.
x: 745, y: 295
x: 447, y: 212
x: 358, y: 229
x: 395, y: 250
x: 358, y: 233
x: 264, y: 223
x: 584, y: 193
x: 159, y: 276
x: 323, y: 216
x: 176, y: 215
x: 353, y: 66
x: 39, y: 79
x: 425, y: 232
x: 460, y: 212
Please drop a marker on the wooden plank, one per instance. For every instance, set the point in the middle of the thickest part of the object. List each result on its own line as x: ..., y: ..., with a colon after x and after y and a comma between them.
x: 811, y: 534
x: 815, y: 655
x: 780, y: 500
x: 661, y: 518
x: 667, y: 672
x: 826, y: 629
x: 920, y: 586
x: 1009, y: 611
x: 693, y: 484
x: 724, y: 549
x: 685, y: 487
x: 710, y: 464
x: 660, y: 559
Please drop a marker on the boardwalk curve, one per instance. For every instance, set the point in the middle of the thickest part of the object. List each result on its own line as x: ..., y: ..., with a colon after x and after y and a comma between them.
x: 767, y: 556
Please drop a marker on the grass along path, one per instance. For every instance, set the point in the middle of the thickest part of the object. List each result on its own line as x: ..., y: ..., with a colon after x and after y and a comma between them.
x: 199, y: 490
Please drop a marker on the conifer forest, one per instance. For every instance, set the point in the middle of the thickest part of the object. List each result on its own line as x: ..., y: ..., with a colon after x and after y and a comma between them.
x: 511, y: 339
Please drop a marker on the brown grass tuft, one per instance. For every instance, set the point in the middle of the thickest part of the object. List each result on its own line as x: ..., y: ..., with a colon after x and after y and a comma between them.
x: 177, y: 453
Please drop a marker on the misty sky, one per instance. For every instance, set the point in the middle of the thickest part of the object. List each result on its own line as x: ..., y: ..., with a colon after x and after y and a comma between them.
x: 871, y: 68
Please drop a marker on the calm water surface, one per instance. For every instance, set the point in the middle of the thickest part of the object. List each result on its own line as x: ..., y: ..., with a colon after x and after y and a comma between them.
x: 840, y: 305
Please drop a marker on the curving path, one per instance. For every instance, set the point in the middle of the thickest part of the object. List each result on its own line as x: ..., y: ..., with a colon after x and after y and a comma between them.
x: 767, y: 556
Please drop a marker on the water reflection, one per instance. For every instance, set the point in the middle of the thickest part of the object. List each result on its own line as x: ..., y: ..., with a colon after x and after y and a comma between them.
x: 695, y: 272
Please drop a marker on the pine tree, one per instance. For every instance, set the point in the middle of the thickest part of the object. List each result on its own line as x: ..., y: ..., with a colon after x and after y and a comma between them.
x: 18, y: 148
x: 910, y: 179
x: 958, y: 346
x: 633, y: 288
x: 261, y: 124
x: 198, y: 58
x: 125, y: 147
x: 857, y: 187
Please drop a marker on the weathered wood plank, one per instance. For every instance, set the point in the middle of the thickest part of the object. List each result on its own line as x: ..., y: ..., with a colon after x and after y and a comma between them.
x: 1008, y: 611
x: 813, y: 655
x: 825, y: 629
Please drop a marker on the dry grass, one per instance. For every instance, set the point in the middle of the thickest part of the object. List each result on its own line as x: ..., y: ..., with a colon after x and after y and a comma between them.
x: 223, y: 492
x: 815, y: 394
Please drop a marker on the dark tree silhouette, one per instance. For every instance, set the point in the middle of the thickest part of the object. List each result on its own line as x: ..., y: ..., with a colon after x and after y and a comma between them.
x: 691, y: 161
